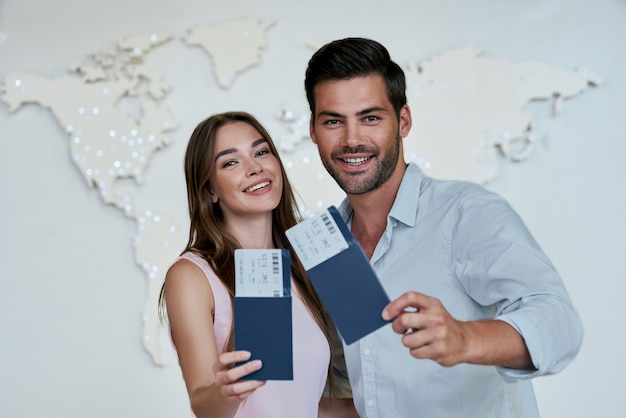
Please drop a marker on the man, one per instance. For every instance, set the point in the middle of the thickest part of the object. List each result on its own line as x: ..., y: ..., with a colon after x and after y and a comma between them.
x: 479, y: 307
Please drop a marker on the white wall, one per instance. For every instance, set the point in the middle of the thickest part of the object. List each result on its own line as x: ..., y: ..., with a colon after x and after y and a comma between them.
x: 71, y: 294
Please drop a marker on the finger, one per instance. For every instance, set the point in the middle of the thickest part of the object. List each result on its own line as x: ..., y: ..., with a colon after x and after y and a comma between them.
x: 230, y: 357
x: 232, y: 375
x: 242, y: 389
x: 425, y: 348
x: 407, y: 322
x: 405, y: 301
x: 415, y: 340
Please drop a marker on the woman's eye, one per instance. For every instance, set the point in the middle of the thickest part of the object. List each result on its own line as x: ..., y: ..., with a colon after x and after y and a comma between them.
x: 228, y: 164
x: 263, y: 152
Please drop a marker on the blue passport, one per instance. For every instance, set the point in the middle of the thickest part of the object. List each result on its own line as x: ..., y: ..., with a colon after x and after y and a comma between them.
x: 341, y: 274
x: 262, y: 314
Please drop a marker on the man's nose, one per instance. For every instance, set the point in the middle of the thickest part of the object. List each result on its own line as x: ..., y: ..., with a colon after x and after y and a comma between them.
x: 351, y: 134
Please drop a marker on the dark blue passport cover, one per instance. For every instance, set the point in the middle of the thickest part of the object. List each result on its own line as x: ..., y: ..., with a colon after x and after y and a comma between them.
x: 349, y: 288
x: 263, y: 326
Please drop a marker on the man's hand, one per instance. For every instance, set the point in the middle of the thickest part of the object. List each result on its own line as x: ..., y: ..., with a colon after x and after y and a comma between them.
x: 430, y: 332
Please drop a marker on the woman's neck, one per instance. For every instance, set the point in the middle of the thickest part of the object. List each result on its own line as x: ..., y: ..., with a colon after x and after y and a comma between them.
x: 253, y: 232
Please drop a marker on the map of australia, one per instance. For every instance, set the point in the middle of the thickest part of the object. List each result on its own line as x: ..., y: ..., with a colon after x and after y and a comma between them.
x: 468, y: 110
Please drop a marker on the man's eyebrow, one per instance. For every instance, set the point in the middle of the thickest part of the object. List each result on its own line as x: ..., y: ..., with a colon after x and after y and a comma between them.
x: 232, y: 150
x: 329, y: 113
x: 371, y: 110
x: 359, y: 113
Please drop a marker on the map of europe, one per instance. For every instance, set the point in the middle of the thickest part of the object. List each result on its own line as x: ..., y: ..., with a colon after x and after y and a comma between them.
x: 470, y: 114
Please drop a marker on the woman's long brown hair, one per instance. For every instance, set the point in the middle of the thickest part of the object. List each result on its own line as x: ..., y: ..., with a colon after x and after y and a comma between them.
x: 208, y: 235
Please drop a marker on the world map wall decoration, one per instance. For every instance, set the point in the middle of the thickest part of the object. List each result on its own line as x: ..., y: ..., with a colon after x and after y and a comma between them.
x: 469, y: 111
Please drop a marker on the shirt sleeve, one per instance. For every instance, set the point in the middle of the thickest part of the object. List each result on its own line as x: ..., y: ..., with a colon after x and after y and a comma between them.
x: 500, y: 264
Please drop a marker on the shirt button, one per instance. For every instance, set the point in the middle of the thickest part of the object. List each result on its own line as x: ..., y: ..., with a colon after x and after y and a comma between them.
x: 366, y: 352
x: 370, y: 403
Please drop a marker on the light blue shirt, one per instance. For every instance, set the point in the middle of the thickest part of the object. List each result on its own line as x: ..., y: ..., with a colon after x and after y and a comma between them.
x: 467, y: 247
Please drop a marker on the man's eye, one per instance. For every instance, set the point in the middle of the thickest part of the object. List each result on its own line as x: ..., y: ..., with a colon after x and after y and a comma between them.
x: 331, y: 122
x: 371, y: 118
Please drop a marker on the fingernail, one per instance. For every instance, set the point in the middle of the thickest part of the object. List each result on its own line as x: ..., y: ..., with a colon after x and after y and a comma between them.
x: 245, y: 355
x: 257, y: 363
x: 385, y: 314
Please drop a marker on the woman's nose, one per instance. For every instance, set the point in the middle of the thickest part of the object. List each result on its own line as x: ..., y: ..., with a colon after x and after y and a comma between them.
x: 254, y: 168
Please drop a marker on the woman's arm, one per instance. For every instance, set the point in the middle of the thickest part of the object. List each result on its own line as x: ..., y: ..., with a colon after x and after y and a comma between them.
x: 190, y: 305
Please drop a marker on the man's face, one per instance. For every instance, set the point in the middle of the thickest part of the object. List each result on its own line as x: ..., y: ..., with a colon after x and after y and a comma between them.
x: 357, y: 132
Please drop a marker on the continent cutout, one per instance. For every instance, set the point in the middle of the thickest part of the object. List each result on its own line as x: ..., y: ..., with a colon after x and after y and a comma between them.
x: 234, y: 46
x: 468, y: 108
x: 108, y: 144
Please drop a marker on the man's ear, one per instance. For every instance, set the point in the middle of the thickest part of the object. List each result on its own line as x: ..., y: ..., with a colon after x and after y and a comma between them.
x: 405, y: 121
x: 312, y: 130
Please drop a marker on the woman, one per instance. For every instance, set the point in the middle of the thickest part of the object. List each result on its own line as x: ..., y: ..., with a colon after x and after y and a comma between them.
x: 239, y: 197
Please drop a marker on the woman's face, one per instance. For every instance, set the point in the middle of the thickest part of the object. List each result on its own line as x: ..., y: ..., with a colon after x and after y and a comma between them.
x: 246, y: 179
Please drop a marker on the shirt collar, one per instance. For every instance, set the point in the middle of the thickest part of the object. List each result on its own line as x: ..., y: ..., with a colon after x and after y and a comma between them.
x: 404, y: 208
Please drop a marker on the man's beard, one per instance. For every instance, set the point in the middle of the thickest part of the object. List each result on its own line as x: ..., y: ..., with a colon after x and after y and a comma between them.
x: 354, y: 184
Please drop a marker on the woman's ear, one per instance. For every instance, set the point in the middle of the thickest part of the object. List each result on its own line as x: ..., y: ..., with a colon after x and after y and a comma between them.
x: 212, y: 195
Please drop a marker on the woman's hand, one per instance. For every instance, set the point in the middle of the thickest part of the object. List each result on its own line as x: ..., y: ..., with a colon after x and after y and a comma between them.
x: 228, y: 377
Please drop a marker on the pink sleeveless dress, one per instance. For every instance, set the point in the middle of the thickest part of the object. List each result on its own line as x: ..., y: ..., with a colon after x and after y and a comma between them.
x: 311, y: 355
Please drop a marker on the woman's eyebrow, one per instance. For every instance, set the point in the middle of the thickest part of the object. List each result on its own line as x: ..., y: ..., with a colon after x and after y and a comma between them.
x: 258, y: 142
x: 224, y: 152
x: 232, y: 150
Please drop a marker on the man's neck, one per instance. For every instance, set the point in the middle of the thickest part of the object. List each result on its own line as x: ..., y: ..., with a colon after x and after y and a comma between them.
x: 370, y: 212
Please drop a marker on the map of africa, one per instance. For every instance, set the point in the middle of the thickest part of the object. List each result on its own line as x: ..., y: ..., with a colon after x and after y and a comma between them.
x: 469, y: 111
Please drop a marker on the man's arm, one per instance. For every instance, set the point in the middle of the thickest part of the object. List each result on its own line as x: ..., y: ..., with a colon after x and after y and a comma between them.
x: 535, y: 329
x: 430, y: 332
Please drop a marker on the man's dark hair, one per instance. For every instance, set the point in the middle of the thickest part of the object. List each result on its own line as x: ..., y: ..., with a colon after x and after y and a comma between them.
x: 348, y: 58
